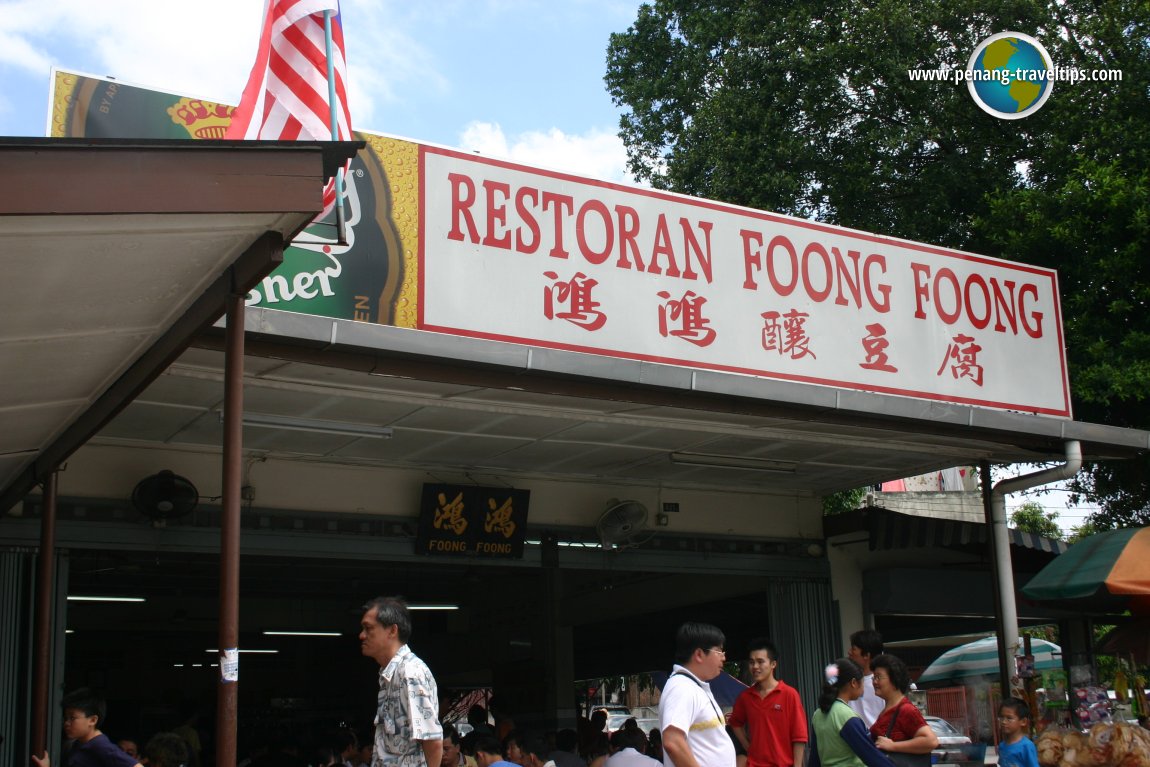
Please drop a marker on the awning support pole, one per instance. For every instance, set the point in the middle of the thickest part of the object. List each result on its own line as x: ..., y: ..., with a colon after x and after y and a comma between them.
x: 227, y: 706
x: 45, y: 589
x: 1000, y: 542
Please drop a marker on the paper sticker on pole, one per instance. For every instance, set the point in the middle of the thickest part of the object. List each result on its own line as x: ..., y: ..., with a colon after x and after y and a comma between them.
x: 230, y: 665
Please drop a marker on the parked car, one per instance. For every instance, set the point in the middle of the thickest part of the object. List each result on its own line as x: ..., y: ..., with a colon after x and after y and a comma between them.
x: 648, y: 723
x: 615, y: 721
x: 953, y: 746
x: 948, y: 734
x: 616, y: 715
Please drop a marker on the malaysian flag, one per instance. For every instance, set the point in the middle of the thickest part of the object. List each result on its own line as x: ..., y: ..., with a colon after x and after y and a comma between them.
x: 287, y: 92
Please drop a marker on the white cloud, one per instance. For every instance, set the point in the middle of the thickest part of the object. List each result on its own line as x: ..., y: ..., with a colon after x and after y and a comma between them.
x: 205, y: 49
x: 597, y: 153
x: 383, y: 59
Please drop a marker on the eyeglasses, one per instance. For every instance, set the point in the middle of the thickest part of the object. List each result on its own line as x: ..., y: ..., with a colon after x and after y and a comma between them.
x: 719, y: 650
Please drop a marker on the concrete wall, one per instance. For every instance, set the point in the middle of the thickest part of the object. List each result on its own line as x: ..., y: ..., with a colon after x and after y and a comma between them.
x: 290, y: 484
x: 961, y: 506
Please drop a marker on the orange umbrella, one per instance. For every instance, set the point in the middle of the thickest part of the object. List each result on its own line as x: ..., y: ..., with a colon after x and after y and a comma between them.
x: 1109, y: 571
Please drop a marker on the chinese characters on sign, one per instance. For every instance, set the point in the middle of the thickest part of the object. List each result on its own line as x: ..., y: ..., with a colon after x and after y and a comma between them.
x: 788, y: 337
x: 480, y: 521
x: 686, y: 314
x: 545, y: 259
x: 875, y: 346
x: 571, y: 300
x: 964, y: 354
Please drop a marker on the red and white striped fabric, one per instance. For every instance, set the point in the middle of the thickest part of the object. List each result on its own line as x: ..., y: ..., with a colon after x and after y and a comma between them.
x: 287, y: 92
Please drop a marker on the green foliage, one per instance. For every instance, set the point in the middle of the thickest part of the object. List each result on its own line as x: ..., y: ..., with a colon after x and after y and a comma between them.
x: 806, y: 108
x: 1030, y: 517
x: 1049, y: 632
x: 843, y: 501
x: 1085, y: 530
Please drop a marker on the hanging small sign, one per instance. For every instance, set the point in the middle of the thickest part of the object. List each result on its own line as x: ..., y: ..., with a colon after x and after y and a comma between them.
x: 486, y: 522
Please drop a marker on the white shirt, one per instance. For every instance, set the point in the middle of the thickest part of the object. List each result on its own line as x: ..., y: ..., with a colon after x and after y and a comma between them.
x: 869, y: 705
x: 629, y: 757
x: 688, y: 705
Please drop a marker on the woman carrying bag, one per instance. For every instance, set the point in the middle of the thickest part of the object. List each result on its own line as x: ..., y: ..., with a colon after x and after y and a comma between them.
x: 900, y: 730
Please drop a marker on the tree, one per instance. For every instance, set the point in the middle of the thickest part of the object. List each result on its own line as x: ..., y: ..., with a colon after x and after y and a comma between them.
x: 806, y: 108
x: 844, y: 501
x: 1030, y: 517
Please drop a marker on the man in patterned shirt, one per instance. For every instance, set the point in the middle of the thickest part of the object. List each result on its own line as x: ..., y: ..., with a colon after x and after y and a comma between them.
x: 407, y: 729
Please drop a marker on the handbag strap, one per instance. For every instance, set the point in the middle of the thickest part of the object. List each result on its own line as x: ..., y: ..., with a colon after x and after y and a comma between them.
x: 893, y: 717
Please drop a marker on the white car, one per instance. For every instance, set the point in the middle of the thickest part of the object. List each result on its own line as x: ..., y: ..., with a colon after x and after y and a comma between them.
x: 947, y: 734
x: 953, y: 746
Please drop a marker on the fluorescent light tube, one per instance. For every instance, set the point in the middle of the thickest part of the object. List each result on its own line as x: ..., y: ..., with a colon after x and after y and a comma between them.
x: 74, y: 598
x: 302, y: 633
x: 259, y: 652
x: 432, y: 607
x: 733, y: 462
x: 314, y: 425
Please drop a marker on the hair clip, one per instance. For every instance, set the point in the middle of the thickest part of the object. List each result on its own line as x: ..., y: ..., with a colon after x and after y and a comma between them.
x: 831, y: 672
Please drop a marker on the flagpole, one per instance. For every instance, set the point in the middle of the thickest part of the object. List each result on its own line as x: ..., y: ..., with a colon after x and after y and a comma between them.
x: 340, y: 217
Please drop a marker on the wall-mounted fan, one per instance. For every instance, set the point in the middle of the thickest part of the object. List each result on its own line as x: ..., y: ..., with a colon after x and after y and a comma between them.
x: 623, y: 524
x: 165, y: 495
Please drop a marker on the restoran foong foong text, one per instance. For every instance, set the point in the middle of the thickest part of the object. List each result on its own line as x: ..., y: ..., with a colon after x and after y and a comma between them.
x: 602, y: 267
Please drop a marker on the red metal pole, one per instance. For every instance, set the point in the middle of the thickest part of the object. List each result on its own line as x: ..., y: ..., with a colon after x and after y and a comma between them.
x: 228, y: 694
x: 45, y: 591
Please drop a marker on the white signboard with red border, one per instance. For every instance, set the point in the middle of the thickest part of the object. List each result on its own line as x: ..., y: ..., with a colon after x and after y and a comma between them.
x: 534, y: 257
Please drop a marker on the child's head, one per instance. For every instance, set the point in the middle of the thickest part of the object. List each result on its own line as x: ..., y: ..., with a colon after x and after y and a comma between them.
x: 1013, y: 717
x: 843, y: 680
x: 83, y: 713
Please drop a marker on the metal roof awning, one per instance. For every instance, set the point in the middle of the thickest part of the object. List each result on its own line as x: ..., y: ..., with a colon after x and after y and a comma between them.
x: 888, y: 530
x: 117, y: 252
x: 483, y: 407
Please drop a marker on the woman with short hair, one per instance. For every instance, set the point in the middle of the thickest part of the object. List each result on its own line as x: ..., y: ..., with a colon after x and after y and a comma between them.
x: 900, y: 728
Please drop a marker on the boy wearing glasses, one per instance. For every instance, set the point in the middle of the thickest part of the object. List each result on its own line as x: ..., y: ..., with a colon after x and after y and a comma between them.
x: 83, y: 712
x: 1016, y: 749
x: 692, y: 724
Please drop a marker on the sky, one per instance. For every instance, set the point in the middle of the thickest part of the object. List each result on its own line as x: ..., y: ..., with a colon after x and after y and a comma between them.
x: 1052, y: 498
x: 517, y: 79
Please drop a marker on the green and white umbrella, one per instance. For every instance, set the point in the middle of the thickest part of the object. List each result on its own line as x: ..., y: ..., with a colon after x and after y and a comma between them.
x: 980, y: 658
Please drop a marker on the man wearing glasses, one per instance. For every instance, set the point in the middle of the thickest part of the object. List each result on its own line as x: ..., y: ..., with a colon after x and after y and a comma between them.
x: 693, y: 726
x: 407, y: 728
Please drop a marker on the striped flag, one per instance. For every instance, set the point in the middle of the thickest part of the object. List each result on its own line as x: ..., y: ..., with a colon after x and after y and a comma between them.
x: 286, y: 97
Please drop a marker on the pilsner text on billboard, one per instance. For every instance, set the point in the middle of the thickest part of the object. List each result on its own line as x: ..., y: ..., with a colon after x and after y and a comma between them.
x: 1010, y: 75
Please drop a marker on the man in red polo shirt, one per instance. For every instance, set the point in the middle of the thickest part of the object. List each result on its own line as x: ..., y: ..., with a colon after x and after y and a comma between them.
x: 768, y: 718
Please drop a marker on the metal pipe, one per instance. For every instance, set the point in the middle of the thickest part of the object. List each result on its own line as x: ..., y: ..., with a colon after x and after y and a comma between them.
x: 1008, y: 614
x: 45, y: 589
x: 227, y: 697
x: 340, y: 213
x: 992, y: 544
